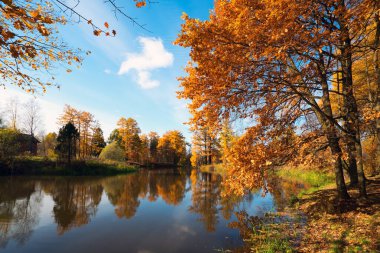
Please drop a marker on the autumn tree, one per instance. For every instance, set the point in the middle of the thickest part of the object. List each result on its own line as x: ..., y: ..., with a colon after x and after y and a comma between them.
x: 144, y: 149
x: 172, y: 147
x: 97, y: 142
x: 88, y: 124
x: 261, y: 69
x: 153, y: 143
x: 226, y: 139
x: 29, y: 43
x: 205, y: 147
x: 85, y: 123
x: 48, y: 144
x: 129, y: 132
x: 70, y: 114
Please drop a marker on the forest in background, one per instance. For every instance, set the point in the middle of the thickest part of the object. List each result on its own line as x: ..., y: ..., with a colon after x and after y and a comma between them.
x: 81, y: 138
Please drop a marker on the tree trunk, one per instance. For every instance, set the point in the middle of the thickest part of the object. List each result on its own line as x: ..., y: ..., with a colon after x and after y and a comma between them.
x: 350, y: 110
x: 338, y: 166
x: 69, y: 153
x: 376, y: 48
x: 352, y: 167
x: 331, y: 135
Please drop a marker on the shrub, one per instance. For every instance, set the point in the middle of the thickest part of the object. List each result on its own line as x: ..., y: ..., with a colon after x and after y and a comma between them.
x: 112, y: 152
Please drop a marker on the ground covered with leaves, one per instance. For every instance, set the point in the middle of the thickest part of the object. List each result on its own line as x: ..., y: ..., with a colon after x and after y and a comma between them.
x: 334, y: 226
x: 316, y: 222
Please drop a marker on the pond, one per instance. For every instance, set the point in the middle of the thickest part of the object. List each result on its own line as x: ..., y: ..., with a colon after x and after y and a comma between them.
x: 145, y: 212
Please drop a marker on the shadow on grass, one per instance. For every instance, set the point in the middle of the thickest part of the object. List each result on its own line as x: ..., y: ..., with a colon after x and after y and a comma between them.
x: 342, y: 226
x: 326, y: 201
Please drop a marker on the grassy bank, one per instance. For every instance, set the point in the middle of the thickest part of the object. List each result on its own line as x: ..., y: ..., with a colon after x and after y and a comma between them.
x: 44, y: 166
x: 274, y: 232
x: 313, y: 180
x: 333, y: 225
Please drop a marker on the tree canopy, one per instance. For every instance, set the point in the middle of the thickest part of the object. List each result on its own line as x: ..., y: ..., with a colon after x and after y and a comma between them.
x: 274, y: 63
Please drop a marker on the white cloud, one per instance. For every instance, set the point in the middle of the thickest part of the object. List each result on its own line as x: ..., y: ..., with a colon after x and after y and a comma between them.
x: 153, y: 56
x: 144, y: 80
x: 107, y: 71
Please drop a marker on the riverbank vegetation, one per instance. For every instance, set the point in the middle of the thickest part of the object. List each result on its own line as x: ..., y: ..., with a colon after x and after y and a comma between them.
x: 36, y: 165
x: 79, y: 148
x: 330, y: 225
x: 331, y: 228
x: 315, y: 220
x: 312, y: 180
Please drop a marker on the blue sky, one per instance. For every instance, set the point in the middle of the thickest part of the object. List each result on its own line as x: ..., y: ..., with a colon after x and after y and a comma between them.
x: 132, y: 75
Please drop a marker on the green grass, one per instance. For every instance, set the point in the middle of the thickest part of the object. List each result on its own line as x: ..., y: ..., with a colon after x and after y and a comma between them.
x: 46, y: 166
x: 270, y: 233
x: 310, y: 177
x: 313, y: 180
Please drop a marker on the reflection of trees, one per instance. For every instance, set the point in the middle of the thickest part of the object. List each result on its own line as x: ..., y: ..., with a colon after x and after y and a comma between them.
x: 283, y: 190
x: 75, y: 200
x: 20, y: 203
x: 125, y: 191
x: 171, y: 187
x: 206, y: 199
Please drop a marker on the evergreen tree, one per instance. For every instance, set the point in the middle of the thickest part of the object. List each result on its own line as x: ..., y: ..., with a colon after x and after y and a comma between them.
x: 67, y: 138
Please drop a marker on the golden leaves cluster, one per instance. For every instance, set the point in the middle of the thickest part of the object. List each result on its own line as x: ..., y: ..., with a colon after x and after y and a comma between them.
x: 29, y: 43
x: 140, y: 3
x: 258, y: 61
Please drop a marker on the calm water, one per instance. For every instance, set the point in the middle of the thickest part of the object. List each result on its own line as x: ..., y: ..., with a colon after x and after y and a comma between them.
x: 144, y: 212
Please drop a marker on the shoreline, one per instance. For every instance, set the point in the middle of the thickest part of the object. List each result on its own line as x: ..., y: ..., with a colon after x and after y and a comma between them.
x: 39, y: 166
x: 314, y: 220
x: 335, y: 226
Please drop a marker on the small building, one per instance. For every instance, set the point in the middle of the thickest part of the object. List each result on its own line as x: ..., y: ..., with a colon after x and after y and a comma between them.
x: 27, y: 144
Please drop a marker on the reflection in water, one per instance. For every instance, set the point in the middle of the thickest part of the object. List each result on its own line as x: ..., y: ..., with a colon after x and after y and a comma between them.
x: 19, y: 209
x: 208, y: 202
x: 205, y: 198
x: 283, y: 190
x: 125, y: 193
x: 76, y: 201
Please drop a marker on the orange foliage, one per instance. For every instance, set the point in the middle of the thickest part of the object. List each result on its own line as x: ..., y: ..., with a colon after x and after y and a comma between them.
x: 271, y: 63
x: 29, y: 41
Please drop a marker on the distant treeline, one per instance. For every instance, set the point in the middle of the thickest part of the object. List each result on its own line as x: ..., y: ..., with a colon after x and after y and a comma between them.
x: 81, y: 138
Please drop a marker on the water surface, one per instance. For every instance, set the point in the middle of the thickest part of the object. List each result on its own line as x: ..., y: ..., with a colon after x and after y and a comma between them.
x: 147, y: 211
